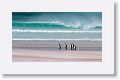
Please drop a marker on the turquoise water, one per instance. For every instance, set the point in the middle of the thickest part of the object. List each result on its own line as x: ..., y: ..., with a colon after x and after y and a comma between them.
x: 48, y: 26
x: 57, y: 25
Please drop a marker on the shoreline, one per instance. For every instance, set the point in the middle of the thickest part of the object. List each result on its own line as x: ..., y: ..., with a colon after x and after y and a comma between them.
x: 54, y: 43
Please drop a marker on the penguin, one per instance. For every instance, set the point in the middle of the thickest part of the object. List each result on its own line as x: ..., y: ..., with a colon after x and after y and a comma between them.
x: 59, y: 46
x: 65, y: 46
x: 75, y: 47
x: 71, y: 46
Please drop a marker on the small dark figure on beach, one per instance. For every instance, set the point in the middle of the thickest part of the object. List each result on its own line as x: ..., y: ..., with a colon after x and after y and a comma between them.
x: 74, y: 47
x: 65, y: 46
x: 59, y: 46
x: 71, y: 46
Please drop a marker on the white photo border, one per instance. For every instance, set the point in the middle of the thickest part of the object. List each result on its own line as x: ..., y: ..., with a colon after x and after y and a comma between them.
x: 104, y: 67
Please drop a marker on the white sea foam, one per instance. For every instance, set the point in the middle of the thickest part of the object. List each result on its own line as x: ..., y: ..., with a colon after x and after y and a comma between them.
x: 56, y: 31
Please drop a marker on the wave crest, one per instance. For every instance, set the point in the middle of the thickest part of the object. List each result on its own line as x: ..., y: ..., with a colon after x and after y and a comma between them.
x: 51, y: 25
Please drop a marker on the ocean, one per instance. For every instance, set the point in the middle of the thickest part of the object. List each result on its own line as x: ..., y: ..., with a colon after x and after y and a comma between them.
x: 57, y: 26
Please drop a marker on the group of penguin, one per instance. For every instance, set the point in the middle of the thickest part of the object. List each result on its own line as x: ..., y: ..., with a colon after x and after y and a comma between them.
x: 72, y: 46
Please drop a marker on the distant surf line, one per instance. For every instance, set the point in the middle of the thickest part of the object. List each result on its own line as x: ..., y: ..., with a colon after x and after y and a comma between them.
x: 58, y: 39
x: 54, y: 31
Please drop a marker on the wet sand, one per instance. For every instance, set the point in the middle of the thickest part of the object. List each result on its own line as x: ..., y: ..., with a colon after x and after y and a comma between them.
x: 44, y: 51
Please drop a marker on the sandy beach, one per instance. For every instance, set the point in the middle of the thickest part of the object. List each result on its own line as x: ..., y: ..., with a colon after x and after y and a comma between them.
x: 44, y: 51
